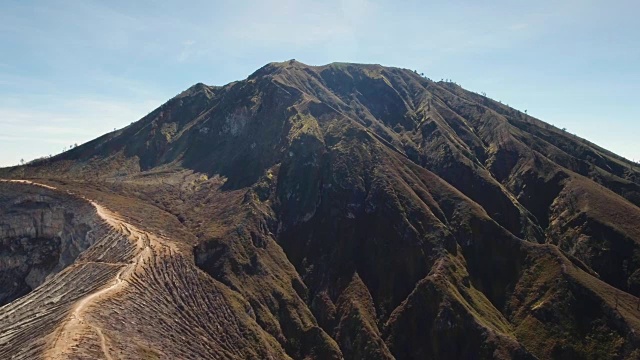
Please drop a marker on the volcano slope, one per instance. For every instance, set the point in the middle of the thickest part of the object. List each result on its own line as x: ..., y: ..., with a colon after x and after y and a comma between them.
x: 339, y: 211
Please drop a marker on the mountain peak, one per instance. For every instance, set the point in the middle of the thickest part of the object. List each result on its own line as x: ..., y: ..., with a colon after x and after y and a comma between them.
x: 275, y: 67
x: 278, y: 67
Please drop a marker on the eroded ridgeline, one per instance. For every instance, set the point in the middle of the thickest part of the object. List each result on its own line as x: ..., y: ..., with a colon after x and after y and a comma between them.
x: 129, y: 291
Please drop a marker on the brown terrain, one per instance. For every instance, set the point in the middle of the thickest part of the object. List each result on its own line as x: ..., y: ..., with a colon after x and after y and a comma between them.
x: 323, y: 212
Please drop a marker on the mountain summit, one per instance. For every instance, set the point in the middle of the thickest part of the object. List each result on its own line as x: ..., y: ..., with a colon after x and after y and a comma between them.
x: 324, y: 212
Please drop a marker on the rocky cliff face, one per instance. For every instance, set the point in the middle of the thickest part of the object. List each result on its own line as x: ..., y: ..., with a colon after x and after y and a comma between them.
x: 365, y: 212
x: 41, y: 232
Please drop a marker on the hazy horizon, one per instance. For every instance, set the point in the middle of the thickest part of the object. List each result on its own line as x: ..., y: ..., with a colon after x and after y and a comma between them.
x: 74, y: 70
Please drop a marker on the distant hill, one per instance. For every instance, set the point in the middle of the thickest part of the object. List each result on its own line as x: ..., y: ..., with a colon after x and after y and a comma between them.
x: 324, y: 212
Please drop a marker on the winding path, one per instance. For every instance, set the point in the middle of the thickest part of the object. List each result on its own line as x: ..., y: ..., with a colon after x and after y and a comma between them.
x: 71, y: 330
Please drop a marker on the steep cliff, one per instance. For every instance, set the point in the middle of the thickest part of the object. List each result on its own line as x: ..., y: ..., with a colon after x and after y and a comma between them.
x: 42, y: 232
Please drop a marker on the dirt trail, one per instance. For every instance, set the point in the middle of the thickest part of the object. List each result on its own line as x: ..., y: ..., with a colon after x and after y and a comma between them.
x: 103, y: 342
x: 70, y: 333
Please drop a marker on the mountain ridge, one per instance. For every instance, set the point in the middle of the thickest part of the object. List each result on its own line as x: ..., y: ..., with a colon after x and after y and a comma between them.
x: 364, y: 211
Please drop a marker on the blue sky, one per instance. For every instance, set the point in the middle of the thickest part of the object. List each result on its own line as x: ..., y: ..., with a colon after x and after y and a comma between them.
x: 73, y: 70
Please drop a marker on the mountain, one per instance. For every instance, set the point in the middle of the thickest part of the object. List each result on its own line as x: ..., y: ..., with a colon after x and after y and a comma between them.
x: 324, y: 212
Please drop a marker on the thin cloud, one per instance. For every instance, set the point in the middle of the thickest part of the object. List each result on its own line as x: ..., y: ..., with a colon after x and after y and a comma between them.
x: 23, y: 139
x: 187, y: 51
x: 299, y: 23
x: 519, y: 26
x: 69, y: 122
